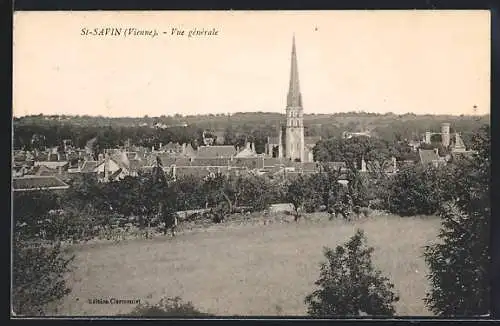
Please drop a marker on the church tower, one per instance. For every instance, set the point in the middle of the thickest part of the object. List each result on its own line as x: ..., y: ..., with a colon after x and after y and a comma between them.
x: 294, y: 114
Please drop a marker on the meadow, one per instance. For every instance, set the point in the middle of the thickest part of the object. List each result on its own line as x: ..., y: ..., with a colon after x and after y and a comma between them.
x: 243, y: 268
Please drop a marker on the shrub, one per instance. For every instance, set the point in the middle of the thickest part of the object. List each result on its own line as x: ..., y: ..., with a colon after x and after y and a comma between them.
x: 167, y: 307
x: 365, y: 211
x: 37, y: 277
x: 349, y: 285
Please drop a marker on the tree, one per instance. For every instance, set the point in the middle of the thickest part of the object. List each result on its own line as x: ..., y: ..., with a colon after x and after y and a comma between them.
x: 38, y: 276
x: 190, y: 192
x: 357, y: 188
x: 326, y: 185
x: 460, y: 262
x: 416, y: 190
x: 296, y: 195
x: 352, y: 150
x: 349, y: 285
x: 253, y: 191
x: 31, y: 209
x: 163, y: 196
x: 219, y: 188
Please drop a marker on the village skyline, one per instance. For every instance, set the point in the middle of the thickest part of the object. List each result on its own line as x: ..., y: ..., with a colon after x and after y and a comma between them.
x: 425, y: 62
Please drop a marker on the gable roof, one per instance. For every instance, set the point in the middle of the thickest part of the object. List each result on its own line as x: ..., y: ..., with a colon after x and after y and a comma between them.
x: 210, y: 161
x: 246, y: 152
x: 189, y: 151
x: 216, y: 151
x: 52, y: 164
x: 427, y: 156
x: 43, y: 170
x: 32, y: 182
x: 248, y: 162
x: 88, y: 166
x: 199, y: 171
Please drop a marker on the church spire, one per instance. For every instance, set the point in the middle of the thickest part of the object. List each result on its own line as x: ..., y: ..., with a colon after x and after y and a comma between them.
x: 294, y: 98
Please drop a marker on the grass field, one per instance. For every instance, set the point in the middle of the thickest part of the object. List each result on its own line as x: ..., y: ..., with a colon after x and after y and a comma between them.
x: 248, y: 269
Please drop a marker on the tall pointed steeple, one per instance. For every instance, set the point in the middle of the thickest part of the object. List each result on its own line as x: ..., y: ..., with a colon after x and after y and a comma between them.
x: 294, y: 140
x: 294, y: 98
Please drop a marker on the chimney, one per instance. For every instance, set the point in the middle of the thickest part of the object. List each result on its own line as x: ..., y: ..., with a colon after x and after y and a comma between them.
x: 394, y: 164
x: 248, y: 146
x: 58, y: 156
x: 174, y: 170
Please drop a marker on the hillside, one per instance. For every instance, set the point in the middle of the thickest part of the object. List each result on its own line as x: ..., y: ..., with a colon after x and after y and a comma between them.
x: 262, y: 124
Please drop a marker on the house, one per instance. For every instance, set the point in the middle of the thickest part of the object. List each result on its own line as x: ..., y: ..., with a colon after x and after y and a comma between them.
x: 309, y: 143
x: 88, y: 167
x: 172, y: 148
x: 248, y: 151
x: 166, y: 159
x: 19, y: 170
x: 348, y: 135
x: 309, y: 167
x: 42, y: 170
x: 31, y: 183
x: 248, y: 162
x: 430, y: 156
x: 210, y: 161
x: 58, y: 166
x: 116, y: 166
x: 216, y: 151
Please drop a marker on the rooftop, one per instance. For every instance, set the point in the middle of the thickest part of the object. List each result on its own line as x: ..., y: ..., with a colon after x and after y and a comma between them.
x: 31, y: 182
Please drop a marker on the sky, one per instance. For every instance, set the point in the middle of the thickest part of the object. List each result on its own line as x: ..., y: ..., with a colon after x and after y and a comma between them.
x: 424, y: 62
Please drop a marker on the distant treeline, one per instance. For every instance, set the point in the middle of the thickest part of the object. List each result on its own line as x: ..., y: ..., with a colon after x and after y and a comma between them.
x: 238, y: 128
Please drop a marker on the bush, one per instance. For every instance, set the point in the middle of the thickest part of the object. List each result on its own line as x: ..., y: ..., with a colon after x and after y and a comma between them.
x: 349, y: 285
x: 365, y: 211
x: 38, y: 277
x: 167, y: 307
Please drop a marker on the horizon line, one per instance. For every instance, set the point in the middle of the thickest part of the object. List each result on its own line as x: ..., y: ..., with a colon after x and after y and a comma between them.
x: 245, y: 112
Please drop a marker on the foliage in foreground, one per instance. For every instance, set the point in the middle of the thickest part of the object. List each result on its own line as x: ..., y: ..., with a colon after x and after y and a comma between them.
x: 38, y: 277
x: 459, y: 263
x: 167, y: 307
x: 349, y: 285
